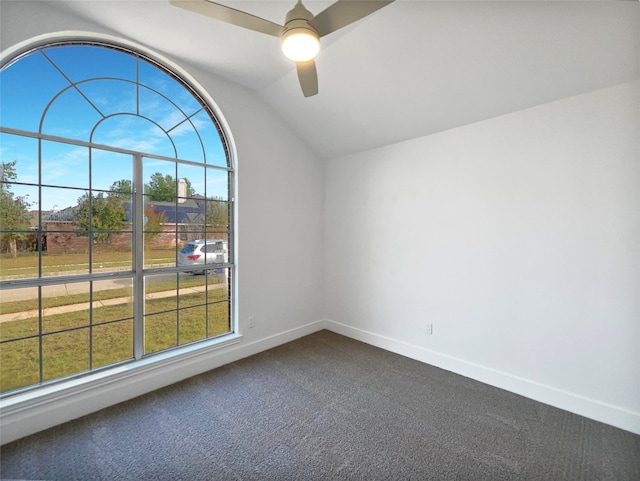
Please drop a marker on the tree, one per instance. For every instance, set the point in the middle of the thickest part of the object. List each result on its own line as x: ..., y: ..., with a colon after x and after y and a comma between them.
x: 153, y: 223
x: 121, y: 189
x: 101, y: 215
x: 164, y: 188
x: 217, y: 213
x: 14, y: 211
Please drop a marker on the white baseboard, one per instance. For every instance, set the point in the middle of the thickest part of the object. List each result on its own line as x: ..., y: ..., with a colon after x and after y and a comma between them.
x: 589, y: 408
x: 31, y: 412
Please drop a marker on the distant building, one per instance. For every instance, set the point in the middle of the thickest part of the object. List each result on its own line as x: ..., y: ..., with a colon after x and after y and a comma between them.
x: 183, y: 222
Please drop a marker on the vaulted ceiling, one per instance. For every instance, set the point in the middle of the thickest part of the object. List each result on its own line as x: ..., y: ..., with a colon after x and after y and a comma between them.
x: 411, y: 69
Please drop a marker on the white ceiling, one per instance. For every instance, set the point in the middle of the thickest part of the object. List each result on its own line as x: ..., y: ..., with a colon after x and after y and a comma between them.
x: 411, y: 69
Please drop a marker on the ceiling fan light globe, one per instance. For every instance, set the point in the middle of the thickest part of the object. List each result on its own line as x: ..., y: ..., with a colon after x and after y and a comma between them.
x: 300, y: 44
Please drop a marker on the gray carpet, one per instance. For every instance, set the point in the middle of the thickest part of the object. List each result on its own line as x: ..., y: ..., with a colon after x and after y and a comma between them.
x: 326, y: 407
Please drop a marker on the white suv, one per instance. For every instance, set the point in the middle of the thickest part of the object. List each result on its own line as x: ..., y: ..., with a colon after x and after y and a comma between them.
x: 204, y: 251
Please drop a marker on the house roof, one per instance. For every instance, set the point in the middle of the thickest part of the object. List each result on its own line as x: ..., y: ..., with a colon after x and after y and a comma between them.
x: 62, y: 215
x: 191, y: 211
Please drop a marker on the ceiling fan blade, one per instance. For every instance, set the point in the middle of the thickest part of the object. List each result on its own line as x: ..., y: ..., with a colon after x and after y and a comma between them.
x: 344, y: 12
x: 230, y: 15
x: 308, y: 76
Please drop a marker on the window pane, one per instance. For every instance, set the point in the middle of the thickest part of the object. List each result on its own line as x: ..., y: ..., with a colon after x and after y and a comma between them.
x: 218, y: 318
x: 160, y: 180
x: 159, y: 81
x: 24, y: 265
x: 18, y: 207
x: 190, y: 232
x: 70, y: 116
x: 160, y: 227
x: 19, y: 309
x: 112, y: 300
x: 219, y: 285
x: 214, y: 149
x: 24, y: 96
x: 188, y: 142
x: 193, y: 324
x: 110, y: 245
x: 59, y: 204
x: 65, y: 165
x: 160, y: 249
x: 65, y: 353
x: 112, y: 171
x: 159, y: 108
x: 161, y: 293
x: 193, y: 290
x: 20, y: 364
x: 129, y: 132
x: 22, y: 155
x: 162, y: 214
x: 21, y: 256
x: 114, y: 255
x: 217, y: 184
x: 112, y: 343
x: 216, y: 253
x: 160, y: 331
x: 18, y: 228
x: 65, y: 306
x: 217, y: 218
x: 80, y: 62
x: 67, y: 253
x: 110, y: 96
x: 193, y: 177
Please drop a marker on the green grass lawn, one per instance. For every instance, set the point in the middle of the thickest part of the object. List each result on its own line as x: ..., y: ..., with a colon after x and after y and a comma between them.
x: 26, y: 265
x: 98, y: 295
x: 70, y: 346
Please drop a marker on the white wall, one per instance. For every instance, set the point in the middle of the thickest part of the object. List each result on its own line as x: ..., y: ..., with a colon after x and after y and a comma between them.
x: 517, y: 237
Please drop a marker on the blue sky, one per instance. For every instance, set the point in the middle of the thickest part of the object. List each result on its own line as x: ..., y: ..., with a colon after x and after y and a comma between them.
x: 90, y: 93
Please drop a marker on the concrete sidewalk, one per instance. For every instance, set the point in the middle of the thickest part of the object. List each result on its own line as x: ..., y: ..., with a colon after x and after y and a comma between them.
x: 83, y: 306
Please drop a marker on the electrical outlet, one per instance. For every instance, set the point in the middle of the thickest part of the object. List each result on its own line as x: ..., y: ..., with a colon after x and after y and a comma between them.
x: 429, y: 329
x: 251, y: 321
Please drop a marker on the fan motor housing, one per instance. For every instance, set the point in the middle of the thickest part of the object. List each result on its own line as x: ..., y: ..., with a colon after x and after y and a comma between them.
x: 298, y: 19
x: 297, y: 25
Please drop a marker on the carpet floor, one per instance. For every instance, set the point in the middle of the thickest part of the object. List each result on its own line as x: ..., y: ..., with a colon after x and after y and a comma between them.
x: 326, y: 407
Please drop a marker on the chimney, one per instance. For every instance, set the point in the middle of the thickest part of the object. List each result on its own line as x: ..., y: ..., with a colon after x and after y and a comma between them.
x: 182, y: 191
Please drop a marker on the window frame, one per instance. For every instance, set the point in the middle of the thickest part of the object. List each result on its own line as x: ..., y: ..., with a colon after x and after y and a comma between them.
x: 141, y: 359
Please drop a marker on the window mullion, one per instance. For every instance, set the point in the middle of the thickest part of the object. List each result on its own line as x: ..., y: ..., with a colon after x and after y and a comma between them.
x: 138, y: 258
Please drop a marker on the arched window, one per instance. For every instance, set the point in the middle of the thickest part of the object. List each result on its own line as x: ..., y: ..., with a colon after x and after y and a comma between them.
x: 116, y: 225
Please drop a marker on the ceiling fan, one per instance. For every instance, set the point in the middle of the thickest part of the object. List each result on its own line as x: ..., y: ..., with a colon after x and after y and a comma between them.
x: 300, y: 35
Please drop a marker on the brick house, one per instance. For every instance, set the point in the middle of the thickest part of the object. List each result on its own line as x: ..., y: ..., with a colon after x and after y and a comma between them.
x: 183, y: 222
